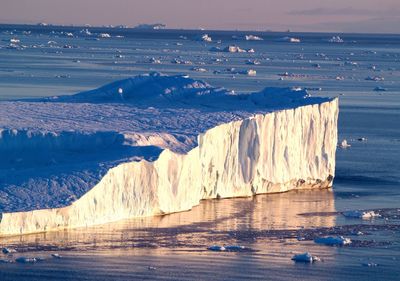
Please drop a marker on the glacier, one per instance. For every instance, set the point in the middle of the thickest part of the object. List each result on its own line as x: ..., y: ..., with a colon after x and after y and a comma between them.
x: 156, y: 144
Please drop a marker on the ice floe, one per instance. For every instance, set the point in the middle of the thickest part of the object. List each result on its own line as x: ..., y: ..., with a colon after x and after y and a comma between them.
x: 333, y: 241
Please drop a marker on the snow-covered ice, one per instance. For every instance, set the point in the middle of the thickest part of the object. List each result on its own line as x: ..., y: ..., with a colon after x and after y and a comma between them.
x: 156, y: 144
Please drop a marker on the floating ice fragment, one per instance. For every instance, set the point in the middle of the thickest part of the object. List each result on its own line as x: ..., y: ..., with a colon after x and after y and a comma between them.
x: 205, y: 38
x: 306, y: 257
x: 253, y: 38
x: 361, y: 214
x: 369, y: 264
x: 234, y: 49
x: 289, y: 39
x: 56, y: 256
x: 336, y: 39
x: 344, y: 144
x: 249, y: 72
x: 216, y: 248
x: 375, y: 78
x: 14, y: 40
x: 8, y: 250
x: 380, y: 89
x: 104, y: 35
x: 333, y: 241
x: 26, y: 260
x: 230, y: 248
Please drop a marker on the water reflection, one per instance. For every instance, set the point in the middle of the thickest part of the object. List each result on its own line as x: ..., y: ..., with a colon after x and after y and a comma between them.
x: 213, y: 221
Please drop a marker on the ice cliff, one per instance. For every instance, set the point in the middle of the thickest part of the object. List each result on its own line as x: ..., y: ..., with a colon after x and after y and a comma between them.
x: 155, y: 144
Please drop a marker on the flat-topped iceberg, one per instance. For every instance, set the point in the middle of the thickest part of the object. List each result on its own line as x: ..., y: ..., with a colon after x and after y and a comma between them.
x: 156, y: 144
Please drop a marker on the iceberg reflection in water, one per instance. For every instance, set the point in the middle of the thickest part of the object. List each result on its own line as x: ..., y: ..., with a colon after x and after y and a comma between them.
x: 236, y: 221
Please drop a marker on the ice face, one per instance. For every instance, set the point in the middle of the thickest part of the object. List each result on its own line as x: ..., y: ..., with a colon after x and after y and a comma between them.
x: 160, y: 146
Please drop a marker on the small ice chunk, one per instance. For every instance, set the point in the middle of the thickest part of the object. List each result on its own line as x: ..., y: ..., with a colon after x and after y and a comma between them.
x: 234, y: 248
x: 344, y: 144
x: 216, y: 248
x: 253, y: 38
x: 361, y: 214
x: 26, y: 260
x: 380, y: 89
x: 205, y: 38
x: 229, y: 248
x: 375, y: 78
x: 56, y: 256
x: 234, y: 49
x: 369, y: 264
x: 333, y: 241
x: 249, y: 72
x: 104, y: 35
x: 306, y: 257
x: 8, y: 250
x: 336, y: 39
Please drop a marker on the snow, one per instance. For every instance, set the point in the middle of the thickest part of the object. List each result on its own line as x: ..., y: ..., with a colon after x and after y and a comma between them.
x: 333, y: 241
x: 170, y: 142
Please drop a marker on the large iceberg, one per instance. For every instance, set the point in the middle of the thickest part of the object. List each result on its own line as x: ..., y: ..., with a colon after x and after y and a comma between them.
x: 156, y: 144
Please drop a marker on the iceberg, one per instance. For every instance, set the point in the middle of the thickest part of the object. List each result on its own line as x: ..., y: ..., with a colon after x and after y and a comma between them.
x: 253, y: 38
x: 155, y: 144
x: 333, y: 241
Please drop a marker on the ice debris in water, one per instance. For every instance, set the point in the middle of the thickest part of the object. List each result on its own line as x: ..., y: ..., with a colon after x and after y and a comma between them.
x: 380, y: 89
x: 369, y: 264
x: 231, y: 248
x: 361, y: 214
x: 306, y: 257
x: 336, y: 39
x: 344, y: 144
x: 8, y: 251
x: 253, y: 38
x: 205, y: 38
x: 56, y: 256
x: 333, y: 241
x: 26, y: 260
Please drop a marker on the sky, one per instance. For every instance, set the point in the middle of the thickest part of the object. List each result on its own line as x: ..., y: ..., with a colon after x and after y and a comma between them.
x: 368, y: 16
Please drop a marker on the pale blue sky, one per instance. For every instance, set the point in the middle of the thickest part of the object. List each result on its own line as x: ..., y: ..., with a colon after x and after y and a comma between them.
x: 297, y: 15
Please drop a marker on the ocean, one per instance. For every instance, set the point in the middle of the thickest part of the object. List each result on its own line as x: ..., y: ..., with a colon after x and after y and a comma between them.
x: 363, y: 71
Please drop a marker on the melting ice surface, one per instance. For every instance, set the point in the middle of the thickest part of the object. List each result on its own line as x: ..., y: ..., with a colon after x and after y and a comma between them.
x: 55, y: 149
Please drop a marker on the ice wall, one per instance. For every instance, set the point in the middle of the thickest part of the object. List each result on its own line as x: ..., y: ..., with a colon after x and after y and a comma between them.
x: 272, y: 152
